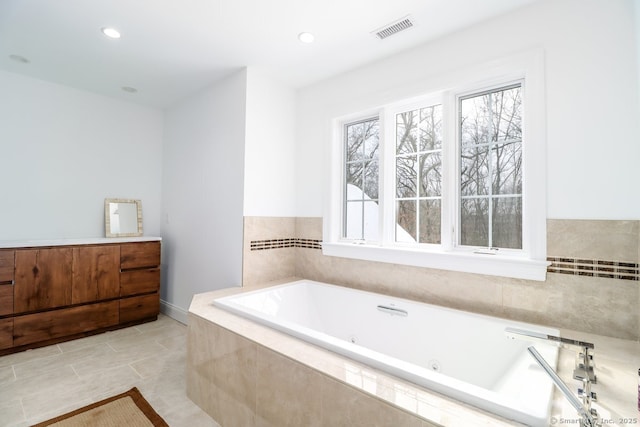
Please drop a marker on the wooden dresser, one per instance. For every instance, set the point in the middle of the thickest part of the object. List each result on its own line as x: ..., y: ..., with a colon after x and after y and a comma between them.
x: 52, y: 292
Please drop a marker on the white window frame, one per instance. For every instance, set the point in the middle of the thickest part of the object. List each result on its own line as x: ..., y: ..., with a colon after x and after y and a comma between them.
x: 457, y: 96
x: 389, y: 177
x: 528, y: 263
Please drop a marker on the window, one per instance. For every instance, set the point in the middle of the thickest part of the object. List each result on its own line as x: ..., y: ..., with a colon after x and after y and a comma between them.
x: 418, y: 177
x: 490, y: 140
x: 489, y: 214
x: 444, y: 180
x: 361, y: 144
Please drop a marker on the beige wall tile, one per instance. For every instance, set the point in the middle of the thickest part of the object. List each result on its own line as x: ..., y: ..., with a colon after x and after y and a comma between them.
x: 593, y: 239
x: 604, y: 306
x: 288, y: 393
x: 588, y: 304
x: 344, y: 406
x: 268, y: 265
x: 221, y: 372
x: 267, y: 227
x: 452, y: 289
x: 309, y: 228
x: 311, y: 264
x: 272, y: 264
x: 271, y: 390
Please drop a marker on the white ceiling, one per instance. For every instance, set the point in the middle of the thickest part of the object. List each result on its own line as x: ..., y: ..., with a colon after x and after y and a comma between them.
x: 172, y: 48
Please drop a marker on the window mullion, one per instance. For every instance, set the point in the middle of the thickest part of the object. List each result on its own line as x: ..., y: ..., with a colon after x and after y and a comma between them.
x: 362, y: 196
x: 387, y: 175
x: 450, y: 192
x: 490, y: 169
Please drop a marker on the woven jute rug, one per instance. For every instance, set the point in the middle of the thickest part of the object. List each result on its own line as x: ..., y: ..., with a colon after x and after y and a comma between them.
x: 127, y: 409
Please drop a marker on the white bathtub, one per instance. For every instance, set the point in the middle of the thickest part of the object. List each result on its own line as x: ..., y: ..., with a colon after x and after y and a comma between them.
x: 459, y: 354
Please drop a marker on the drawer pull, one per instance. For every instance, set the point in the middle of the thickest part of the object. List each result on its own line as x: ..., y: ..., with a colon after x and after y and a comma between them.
x: 151, y: 268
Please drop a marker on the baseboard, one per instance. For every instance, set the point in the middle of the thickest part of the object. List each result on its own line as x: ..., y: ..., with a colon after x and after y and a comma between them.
x: 173, y: 311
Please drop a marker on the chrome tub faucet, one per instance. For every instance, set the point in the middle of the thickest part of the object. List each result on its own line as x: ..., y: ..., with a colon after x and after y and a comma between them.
x: 584, y: 371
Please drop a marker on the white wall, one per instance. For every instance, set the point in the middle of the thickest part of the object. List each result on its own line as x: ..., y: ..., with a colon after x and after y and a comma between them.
x: 202, y: 188
x: 592, y: 101
x: 63, y: 151
x: 637, y: 30
x: 269, y: 183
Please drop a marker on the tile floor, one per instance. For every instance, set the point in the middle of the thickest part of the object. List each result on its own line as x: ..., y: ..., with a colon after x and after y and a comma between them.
x: 36, y: 385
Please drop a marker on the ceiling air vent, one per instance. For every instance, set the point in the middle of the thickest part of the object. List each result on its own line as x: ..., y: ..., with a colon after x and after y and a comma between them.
x: 393, y: 28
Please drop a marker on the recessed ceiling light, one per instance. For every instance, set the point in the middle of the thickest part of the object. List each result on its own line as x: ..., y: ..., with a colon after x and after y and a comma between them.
x: 112, y: 33
x: 306, y: 37
x: 129, y: 89
x: 20, y: 59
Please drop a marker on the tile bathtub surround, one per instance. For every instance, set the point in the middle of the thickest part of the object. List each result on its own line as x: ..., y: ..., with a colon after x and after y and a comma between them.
x: 560, y: 301
x: 594, y: 239
x: 256, y: 376
x: 39, y: 384
x: 263, y: 388
x: 595, y: 248
x: 265, y: 233
x: 270, y: 246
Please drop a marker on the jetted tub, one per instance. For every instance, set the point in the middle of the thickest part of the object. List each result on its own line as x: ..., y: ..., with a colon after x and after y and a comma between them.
x: 465, y: 356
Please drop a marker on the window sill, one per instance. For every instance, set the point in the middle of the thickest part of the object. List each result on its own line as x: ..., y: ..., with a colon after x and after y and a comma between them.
x: 493, y: 265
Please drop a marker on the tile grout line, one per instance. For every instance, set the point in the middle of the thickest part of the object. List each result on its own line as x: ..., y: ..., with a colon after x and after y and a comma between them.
x: 163, y: 346
x: 24, y: 413
x: 112, y: 349
x: 135, y: 370
x: 74, y: 371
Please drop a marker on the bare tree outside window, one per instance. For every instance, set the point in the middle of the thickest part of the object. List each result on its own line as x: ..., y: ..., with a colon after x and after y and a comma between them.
x: 491, y: 168
x: 361, y: 180
x: 419, y: 174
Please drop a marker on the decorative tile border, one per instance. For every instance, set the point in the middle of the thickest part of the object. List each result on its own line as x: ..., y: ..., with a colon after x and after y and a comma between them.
x: 594, y: 268
x: 308, y: 243
x: 259, y: 245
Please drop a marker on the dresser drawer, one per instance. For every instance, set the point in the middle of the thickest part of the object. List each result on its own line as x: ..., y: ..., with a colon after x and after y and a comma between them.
x: 139, y: 281
x: 139, y: 255
x: 53, y: 324
x: 6, y: 299
x: 6, y: 333
x: 139, y: 308
x: 7, y: 262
